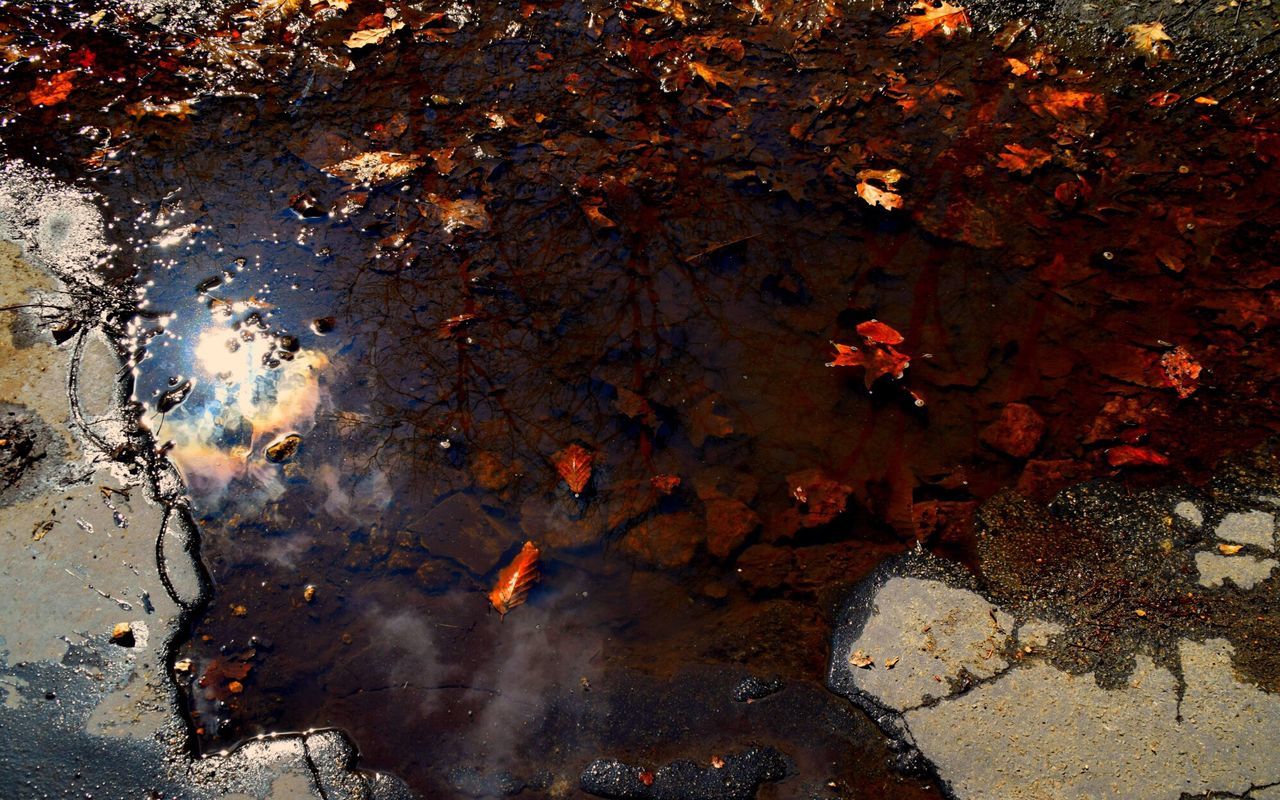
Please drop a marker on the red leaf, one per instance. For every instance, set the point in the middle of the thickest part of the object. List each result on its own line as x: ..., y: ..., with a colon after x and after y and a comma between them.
x: 665, y: 484
x: 1126, y: 455
x: 574, y: 465
x: 515, y: 580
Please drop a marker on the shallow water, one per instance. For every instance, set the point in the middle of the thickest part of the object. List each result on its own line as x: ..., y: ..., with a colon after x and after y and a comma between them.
x: 639, y: 236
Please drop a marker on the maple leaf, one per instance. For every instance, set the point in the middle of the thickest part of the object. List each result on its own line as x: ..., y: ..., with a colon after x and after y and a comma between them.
x: 1182, y: 370
x: 945, y: 18
x: 1150, y: 39
x: 877, y: 360
x: 54, y: 90
x: 515, y: 580
x: 1022, y: 160
x: 574, y: 465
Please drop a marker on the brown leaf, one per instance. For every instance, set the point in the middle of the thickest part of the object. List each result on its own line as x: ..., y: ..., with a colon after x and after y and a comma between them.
x: 515, y: 580
x: 372, y: 36
x: 861, y: 660
x: 574, y: 465
x: 374, y: 168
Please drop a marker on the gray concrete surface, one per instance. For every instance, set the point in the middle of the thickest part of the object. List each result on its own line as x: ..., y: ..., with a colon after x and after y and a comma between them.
x: 95, y: 540
x: 984, y: 694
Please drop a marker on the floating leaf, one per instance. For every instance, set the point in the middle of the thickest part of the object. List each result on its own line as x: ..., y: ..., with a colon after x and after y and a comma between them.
x: 945, y: 18
x: 574, y: 465
x: 1230, y: 549
x: 515, y: 580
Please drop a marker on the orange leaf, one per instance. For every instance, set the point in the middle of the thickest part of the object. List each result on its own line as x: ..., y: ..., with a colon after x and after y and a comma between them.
x: 875, y: 331
x: 515, y: 580
x: 1063, y: 104
x: 946, y: 19
x: 1182, y: 370
x: 1022, y: 159
x: 54, y: 90
x: 665, y: 484
x: 574, y: 465
x: 879, y: 197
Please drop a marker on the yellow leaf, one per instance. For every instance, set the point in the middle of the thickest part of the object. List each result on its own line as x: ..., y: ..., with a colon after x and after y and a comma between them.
x: 1230, y: 549
x: 861, y: 660
x: 1150, y: 39
x: 377, y: 167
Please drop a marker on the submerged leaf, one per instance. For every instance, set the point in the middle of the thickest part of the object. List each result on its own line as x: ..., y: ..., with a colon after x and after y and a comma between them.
x: 374, y: 168
x: 574, y: 465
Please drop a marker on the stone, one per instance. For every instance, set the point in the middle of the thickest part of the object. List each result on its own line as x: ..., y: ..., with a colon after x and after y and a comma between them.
x: 729, y: 523
x: 1016, y: 432
x: 460, y: 530
x: 666, y: 541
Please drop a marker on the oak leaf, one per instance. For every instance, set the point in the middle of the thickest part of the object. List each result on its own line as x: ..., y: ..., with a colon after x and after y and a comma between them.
x: 945, y: 18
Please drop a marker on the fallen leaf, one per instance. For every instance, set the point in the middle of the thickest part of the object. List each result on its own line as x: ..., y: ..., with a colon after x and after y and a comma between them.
x: 515, y: 580
x: 177, y: 109
x: 1150, y: 39
x: 374, y: 168
x: 885, y: 195
x: 706, y: 422
x: 1163, y: 99
x: 646, y: 777
x: 878, y: 197
x: 665, y: 484
x: 53, y: 90
x: 455, y: 214
x: 1182, y: 370
x: 1126, y: 455
x: 717, y: 762
x: 1066, y: 104
x: 945, y: 18
x: 709, y: 76
x: 876, y: 332
x: 371, y: 36
x: 280, y: 9
x: 1230, y: 549
x: 1022, y: 160
x: 891, y: 663
x: 574, y: 465
x: 672, y: 8
x: 861, y: 660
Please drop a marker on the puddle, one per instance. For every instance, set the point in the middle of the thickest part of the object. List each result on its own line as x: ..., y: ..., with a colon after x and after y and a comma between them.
x: 398, y: 297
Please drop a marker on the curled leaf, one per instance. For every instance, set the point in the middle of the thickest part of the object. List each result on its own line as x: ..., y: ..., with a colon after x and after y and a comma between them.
x: 861, y: 660
x: 944, y: 18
